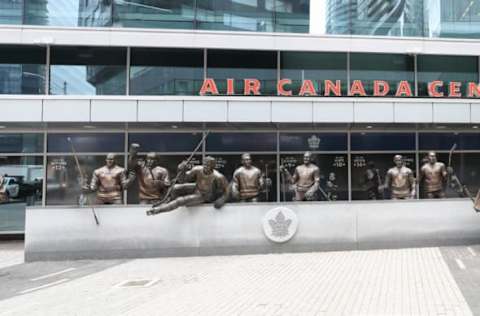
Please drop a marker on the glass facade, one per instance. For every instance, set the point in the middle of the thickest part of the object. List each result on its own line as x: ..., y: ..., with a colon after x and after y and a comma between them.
x: 232, y: 15
x: 11, y: 11
x: 405, y: 18
x: 419, y: 18
x: 353, y: 163
x: 174, y: 71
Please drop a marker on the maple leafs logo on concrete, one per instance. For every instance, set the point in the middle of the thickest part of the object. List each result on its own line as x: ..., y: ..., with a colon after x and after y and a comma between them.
x: 280, y: 225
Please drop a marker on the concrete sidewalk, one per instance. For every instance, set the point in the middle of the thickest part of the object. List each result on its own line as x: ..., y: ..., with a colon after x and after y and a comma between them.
x: 381, y: 282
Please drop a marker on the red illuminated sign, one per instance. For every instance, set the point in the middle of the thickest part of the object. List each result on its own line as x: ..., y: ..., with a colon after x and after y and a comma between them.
x: 381, y: 88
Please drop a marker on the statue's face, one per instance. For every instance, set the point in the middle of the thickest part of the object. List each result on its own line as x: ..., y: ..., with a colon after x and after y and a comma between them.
x: 247, y: 161
x: 307, y: 158
x: 110, y: 160
x: 208, y: 165
x: 432, y: 158
x: 398, y: 160
x: 150, y: 160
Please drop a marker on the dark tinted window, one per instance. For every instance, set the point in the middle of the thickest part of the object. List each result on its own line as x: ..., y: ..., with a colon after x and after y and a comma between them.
x: 88, y: 71
x: 89, y: 142
x: 445, y: 141
x: 21, y: 143
x: 317, y: 67
x: 166, y: 71
x: 313, y: 142
x: 22, y: 70
x: 382, y: 141
x: 240, y: 65
x: 446, y: 68
x: 389, y: 68
x: 242, y: 142
x: 166, y: 142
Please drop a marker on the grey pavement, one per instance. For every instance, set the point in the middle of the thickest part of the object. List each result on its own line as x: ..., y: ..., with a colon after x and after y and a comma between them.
x: 419, y: 281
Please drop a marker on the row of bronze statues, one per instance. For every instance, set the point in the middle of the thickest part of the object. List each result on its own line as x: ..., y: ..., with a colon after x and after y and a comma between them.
x: 204, y: 184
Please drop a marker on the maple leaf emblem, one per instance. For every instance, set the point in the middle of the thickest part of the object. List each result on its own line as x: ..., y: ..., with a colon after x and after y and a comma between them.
x: 280, y: 225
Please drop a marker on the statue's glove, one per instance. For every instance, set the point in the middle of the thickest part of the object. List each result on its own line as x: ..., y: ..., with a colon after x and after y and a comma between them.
x: 310, y: 194
x: 220, y: 202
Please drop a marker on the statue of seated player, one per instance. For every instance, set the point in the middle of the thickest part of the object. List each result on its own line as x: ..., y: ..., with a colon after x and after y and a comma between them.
x: 201, y: 184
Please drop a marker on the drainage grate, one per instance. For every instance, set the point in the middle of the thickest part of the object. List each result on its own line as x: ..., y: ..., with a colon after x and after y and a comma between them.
x: 137, y: 283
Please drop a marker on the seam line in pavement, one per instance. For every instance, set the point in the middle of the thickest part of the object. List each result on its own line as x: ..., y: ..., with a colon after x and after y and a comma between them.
x: 52, y: 274
x: 460, y: 264
x: 43, y: 286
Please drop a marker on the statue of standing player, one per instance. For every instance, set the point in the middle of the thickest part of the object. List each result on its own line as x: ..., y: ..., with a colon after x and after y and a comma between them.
x: 247, y: 181
x: 109, y: 182
x: 153, y: 181
x: 400, y: 180
x: 204, y: 184
x: 306, y: 179
x: 433, y: 175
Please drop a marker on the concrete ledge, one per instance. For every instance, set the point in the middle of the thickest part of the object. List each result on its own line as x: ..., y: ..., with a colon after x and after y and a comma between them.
x: 126, y: 232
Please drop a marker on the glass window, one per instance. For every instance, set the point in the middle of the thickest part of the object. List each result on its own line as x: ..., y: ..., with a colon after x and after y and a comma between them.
x: 166, y: 142
x: 88, y: 71
x: 445, y: 141
x: 21, y: 143
x: 11, y: 11
x: 313, y: 142
x: 68, y: 13
x: 87, y: 143
x: 169, y: 162
x: 317, y: 67
x: 221, y: 142
x: 292, y: 16
x: 21, y: 181
x: 447, y: 69
x: 166, y: 71
x: 227, y: 164
x: 386, y: 18
x: 176, y: 14
x: 333, y: 176
x: 382, y: 141
x: 369, y: 171
x: 64, y: 183
x: 22, y: 69
x: 382, y: 67
x: 240, y: 65
x: 241, y: 15
x: 453, y: 18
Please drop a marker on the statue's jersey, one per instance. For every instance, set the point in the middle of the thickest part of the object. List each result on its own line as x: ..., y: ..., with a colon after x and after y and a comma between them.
x: 305, y: 176
x: 434, y: 175
x: 248, y: 181
x: 208, y: 185
x: 152, y: 183
x: 401, y: 181
x: 3, y: 190
x: 108, y: 182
